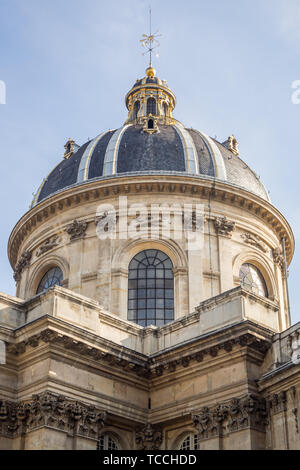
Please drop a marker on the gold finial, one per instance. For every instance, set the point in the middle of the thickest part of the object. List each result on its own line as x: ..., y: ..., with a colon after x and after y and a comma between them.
x: 150, y: 42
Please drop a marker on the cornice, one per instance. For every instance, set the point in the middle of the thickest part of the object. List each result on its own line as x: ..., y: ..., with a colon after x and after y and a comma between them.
x: 102, y: 189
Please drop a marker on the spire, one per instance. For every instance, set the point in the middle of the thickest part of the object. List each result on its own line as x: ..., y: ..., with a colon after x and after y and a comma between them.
x: 150, y: 42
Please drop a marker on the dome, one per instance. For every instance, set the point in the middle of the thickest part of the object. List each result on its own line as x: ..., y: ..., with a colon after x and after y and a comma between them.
x: 151, y: 141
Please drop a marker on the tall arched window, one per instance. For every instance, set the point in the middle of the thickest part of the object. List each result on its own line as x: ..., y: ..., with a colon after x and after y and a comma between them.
x: 53, y: 277
x: 151, y: 289
x: 136, y: 109
x: 151, y: 106
x: 190, y: 442
x: 252, y: 279
x: 106, y: 442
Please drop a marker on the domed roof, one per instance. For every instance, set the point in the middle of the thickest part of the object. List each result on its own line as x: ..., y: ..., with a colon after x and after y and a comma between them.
x: 150, y: 142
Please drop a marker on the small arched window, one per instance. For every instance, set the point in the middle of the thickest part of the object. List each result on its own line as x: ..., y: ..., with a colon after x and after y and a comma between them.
x: 252, y: 279
x: 190, y: 442
x: 53, y: 277
x: 106, y: 442
x: 136, y: 109
x: 151, y: 106
x: 150, y: 124
x: 151, y: 289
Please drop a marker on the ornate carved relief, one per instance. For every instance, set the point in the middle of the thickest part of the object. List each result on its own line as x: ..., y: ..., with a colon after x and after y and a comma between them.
x: 77, y: 230
x: 247, y: 412
x: 278, y: 257
x: 23, y: 263
x: 224, y: 226
x: 48, y: 409
x: 278, y: 402
x: 48, y: 245
x: 254, y: 240
x: 149, y: 438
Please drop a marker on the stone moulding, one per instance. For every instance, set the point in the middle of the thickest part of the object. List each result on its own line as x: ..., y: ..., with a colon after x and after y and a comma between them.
x: 147, y: 367
x: 99, y: 190
x: 221, y: 419
x: 51, y: 410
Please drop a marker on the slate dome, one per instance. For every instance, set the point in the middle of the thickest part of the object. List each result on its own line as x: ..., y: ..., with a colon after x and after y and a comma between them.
x: 151, y: 142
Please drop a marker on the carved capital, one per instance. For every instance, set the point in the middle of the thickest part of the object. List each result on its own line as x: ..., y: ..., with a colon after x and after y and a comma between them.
x: 149, y: 438
x: 223, y: 226
x: 77, y: 230
x: 23, y: 263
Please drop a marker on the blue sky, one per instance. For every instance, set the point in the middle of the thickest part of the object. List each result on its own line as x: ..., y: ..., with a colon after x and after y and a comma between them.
x: 68, y: 64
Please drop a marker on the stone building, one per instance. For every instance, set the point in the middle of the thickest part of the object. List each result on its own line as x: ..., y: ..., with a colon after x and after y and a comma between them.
x: 123, y: 333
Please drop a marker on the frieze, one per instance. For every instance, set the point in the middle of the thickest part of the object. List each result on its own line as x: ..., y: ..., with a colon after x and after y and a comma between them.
x: 254, y: 240
x: 51, y: 410
x: 240, y: 413
x: 48, y: 245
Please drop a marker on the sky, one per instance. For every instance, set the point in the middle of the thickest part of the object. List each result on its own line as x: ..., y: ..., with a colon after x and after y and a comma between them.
x: 67, y: 65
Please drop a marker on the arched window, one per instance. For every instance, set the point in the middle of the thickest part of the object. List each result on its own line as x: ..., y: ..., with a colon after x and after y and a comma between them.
x: 151, y: 289
x: 53, y: 277
x: 150, y: 124
x: 106, y: 442
x: 191, y: 442
x: 136, y: 109
x: 252, y: 279
x: 151, y: 106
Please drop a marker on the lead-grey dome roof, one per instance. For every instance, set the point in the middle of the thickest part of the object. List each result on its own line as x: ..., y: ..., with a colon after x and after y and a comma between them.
x: 130, y: 150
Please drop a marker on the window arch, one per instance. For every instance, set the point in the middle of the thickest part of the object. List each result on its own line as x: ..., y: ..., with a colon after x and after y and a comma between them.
x: 107, y: 442
x: 136, y: 109
x: 190, y: 442
x: 53, y: 277
x: 151, y: 289
x: 151, y: 106
x: 252, y: 279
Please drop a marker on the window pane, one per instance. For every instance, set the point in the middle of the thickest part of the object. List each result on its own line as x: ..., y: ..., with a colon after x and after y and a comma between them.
x: 152, y: 285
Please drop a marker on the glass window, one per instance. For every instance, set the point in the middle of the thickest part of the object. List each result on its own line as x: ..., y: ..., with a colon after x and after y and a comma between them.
x: 191, y: 442
x: 151, y: 106
x: 106, y: 442
x: 252, y: 279
x: 151, y: 281
x: 53, y: 277
x: 136, y: 108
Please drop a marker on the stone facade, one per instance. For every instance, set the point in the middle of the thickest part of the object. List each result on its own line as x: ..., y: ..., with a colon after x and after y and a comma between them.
x: 76, y: 374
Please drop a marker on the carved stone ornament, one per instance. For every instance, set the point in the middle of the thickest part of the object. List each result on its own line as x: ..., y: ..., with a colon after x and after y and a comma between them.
x: 48, y: 409
x: 224, y: 226
x: 278, y: 257
x: 233, y: 145
x: 77, y: 230
x: 23, y: 263
x: 247, y: 412
x: 48, y: 245
x: 149, y: 438
x: 254, y: 240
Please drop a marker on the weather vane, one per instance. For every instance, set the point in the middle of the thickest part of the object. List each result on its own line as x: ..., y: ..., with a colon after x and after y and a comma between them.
x: 150, y: 41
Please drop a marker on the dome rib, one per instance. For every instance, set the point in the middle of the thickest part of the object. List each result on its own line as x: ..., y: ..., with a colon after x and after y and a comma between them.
x: 190, y: 152
x: 84, y: 166
x: 111, y: 155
